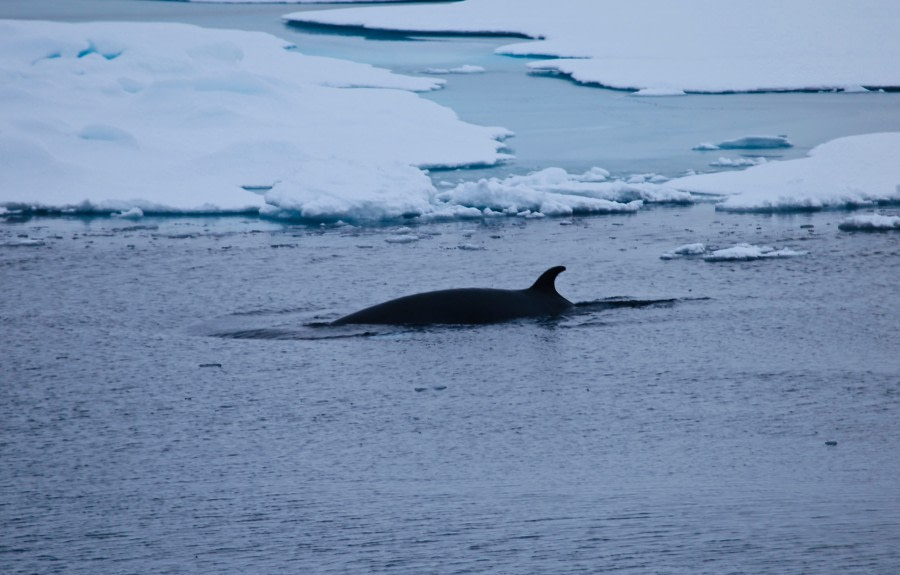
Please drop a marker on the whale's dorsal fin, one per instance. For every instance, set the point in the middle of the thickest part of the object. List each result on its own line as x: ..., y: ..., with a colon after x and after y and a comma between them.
x: 547, y: 282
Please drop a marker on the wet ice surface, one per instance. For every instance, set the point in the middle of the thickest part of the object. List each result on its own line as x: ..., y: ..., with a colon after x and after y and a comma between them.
x: 682, y: 438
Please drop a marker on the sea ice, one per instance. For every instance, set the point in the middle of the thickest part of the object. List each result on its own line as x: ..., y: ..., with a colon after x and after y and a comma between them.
x: 870, y: 223
x: 755, y: 143
x: 171, y: 118
x: 132, y: 214
x: 724, y: 162
x: 21, y: 243
x: 658, y: 92
x: 739, y: 252
x: 688, y: 250
x: 745, y: 252
x: 402, y: 238
x: 659, y: 46
x: 843, y: 173
x: 747, y: 143
x: 555, y: 192
x: 464, y: 69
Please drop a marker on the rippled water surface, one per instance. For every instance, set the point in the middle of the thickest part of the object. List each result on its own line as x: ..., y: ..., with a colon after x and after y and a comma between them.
x: 682, y: 438
x: 171, y: 403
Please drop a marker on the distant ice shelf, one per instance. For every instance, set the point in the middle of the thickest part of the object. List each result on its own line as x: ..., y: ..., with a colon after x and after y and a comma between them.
x: 664, y: 48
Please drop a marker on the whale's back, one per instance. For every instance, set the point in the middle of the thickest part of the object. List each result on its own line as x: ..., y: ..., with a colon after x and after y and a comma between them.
x: 467, y: 305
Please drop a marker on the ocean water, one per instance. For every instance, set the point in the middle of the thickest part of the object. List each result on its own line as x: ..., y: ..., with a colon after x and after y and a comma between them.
x: 167, y: 408
x: 169, y: 405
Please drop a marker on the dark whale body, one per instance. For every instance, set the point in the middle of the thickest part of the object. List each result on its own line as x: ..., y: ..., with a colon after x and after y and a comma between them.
x: 468, y: 305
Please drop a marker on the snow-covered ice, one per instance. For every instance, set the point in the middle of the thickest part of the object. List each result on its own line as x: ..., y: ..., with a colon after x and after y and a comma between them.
x: 847, y: 172
x: 755, y: 143
x: 402, y: 238
x: 738, y: 252
x: 870, y: 223
x: 464, y: 69
x: 724, y: 162
x: 132, y: 214
x: 697, y: 249
x: 658, y: 92
x: 21, y: 243
x: 172, y: 118
x: 128, y: 119
x: 555, y: 192
x: 745, y: 252
x: 663, y: 47
x: 747, y: 143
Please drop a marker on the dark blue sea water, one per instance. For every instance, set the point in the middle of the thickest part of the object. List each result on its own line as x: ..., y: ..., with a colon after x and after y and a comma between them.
x: 166, y: 406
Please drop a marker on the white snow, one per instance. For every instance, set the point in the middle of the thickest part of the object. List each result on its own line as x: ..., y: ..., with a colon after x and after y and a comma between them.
x: 21, y: 243
x: 660, y: 46
x: 724, y: 162
x: 658, y: 92
x: 132, y: 214
x: 847, y: 172
x: 870, y: 223
x: 688, y: 250
x: 113, y: 117
x: 746, y: 252
x: 464, y: 69
x: 739, y: 252
x: 402, y: 238
x: 131, y: 119
x: 555, y: 192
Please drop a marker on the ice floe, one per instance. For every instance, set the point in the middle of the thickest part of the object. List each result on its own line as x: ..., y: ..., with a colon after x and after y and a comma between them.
x: 687, y: 250
x: 747, y: 143
x: 847, y: 172
x: 739, y: 252
x: 663, y: 47
x: 20, y: 243
x: 132, y: 214
x: 171, y: 118
x: 724, y: 162
x: 464, y: 69
x: 870, y: 223
x: 745, y: 252
x: 402, y: 238
x: 756, y: 143
x: 555, y: 192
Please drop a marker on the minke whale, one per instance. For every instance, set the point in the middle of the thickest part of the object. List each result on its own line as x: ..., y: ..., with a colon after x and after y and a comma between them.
x: 467, y: 305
